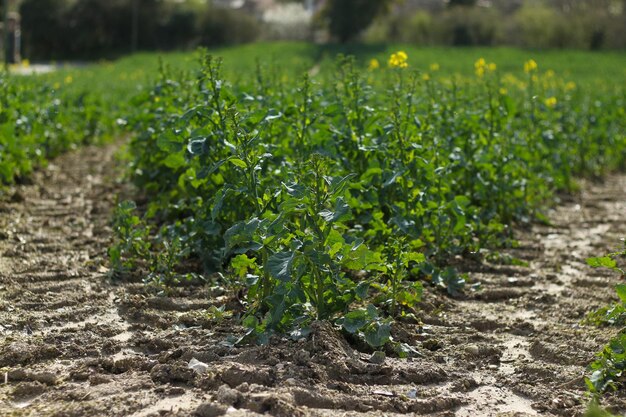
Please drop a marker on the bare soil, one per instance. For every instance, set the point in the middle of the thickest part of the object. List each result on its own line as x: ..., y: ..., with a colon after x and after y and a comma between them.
x: 73, y: 343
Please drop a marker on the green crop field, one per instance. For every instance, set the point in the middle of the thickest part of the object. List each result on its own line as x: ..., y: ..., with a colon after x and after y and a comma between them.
x: 330, y: 183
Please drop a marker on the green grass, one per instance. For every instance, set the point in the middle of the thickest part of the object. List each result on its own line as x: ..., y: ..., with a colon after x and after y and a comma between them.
x: 131, y: 72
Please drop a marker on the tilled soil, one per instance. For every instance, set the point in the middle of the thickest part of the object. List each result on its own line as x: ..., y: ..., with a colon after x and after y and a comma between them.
x: 73, y: 343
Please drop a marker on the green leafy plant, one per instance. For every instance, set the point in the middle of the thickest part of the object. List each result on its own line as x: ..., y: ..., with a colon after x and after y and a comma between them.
x: 342, y: 194
x: 607, y: 371
x: 132, y: 244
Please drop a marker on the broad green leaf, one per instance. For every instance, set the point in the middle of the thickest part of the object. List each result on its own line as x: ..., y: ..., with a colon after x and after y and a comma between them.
x: 238, y: 163
x: 170, y: 143
x: 241, y: 232
x: 354, y: 320
x: 363, y: 258
x: 416, y: 257
x: 604, y: 261
x: 341, y: 211
x: 174, y: 160
x: 377, y: 334
x: 280, y: 264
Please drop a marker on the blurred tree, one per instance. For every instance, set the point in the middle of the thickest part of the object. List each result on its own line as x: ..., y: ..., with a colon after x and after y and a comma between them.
x: 453, y: 3
x: 347, y: 18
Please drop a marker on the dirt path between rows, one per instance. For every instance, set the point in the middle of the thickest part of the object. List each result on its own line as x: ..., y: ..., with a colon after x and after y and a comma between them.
x: 74, y: 344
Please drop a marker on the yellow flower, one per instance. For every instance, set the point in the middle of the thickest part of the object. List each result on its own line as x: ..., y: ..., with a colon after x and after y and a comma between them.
x: 570, y: 86
x: 25, y: 63
x: 157, y: 99
x: 434, y: 67
x: 374, y: 64
x: 503, y: 91
x: 69, y: 79
x: 425, y: 76
x: 56, y: 86
x: 549, y: 73
x: 550, y: 102
x: 535, y: 78
x: 398, y: 60
x: 481, y: 67
x: 530, y: 66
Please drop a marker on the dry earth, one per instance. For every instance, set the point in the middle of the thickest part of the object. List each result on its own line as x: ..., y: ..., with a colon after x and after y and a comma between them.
x: 72, y: 343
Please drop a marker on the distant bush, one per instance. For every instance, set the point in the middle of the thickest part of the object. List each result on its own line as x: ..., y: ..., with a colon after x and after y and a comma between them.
x: 346, y: 19
x: 219, y: 26
x: 464, y: 26
x: 457, y: 26
x: 179, y: 27
x: 533, y: 25
x: 417, y: 29
x: 539, y: 26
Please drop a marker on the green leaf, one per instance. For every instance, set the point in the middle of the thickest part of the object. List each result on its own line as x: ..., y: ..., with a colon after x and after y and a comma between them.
x: 196, y: 146
x: 363, y: 258
x: 342, y: 209
x: 416, y: 257
x: 377, y: 334
x: 238, y: 163
x: 174, y: 161
x: 362, y: 289
x: 621, y: 292
x: 169, y: 143
x: 241, y: 264
x: 241, y: 232
x: 280, y: 264
x: 217, y: 204
x: 604, y: 261
x: 338, y: 184
x: 353, y: 321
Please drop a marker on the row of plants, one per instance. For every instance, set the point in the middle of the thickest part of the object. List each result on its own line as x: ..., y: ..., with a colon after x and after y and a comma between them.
x: 339, y: 196
x: 40, y: 120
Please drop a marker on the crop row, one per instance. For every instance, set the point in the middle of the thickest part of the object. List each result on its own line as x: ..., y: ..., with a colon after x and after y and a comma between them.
x: 39, y: 120
x: 338, y: 195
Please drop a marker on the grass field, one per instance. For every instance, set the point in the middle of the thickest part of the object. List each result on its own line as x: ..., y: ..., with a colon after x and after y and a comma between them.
x: 580, y: 66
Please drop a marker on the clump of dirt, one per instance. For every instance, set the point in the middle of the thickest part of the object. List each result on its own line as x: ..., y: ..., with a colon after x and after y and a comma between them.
x: 75, y: 343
